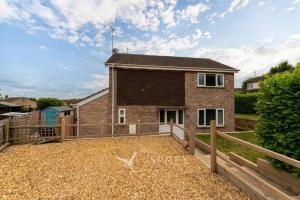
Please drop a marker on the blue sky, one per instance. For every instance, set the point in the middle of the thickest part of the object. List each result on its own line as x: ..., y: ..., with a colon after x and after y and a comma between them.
x: 56, y: 48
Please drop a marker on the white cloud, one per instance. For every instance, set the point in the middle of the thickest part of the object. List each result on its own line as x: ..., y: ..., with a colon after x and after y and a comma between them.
x: 9, y: 12
x: 235, y: 5
x: 66, y: 19
x: 164, y: 46
x: 192, y: 12
x: 250, y: 58
x: 291, y: 8
x: 97, y: 82
x: 268, y: 40
x: 65, y: 67
x: 295, y: 1
x: 43, y: 48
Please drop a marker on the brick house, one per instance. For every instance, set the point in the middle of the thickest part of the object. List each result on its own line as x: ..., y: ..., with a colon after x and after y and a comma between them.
x: 148, y: 88
x: 26, y: 103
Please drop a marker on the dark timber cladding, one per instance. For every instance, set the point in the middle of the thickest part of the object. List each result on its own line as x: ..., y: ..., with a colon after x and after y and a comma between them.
x: 150, y: 87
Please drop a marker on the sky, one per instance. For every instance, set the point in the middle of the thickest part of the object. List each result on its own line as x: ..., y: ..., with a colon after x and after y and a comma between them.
x: 57, y: 48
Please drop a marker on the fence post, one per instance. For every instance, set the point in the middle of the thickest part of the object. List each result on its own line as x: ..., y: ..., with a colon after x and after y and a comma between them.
x: 171, y: 127
x: 213, y: 153
x: 138, y: 127
x: 63, y: 129
x: 192, y: 143
x: 6, y: 124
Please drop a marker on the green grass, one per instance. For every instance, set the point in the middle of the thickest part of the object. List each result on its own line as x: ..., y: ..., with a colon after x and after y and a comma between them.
x: 247, y: 116
x: 226, y: 146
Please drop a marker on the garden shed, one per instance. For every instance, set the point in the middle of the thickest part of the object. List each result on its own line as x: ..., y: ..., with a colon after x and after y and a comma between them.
x: 51, y: 113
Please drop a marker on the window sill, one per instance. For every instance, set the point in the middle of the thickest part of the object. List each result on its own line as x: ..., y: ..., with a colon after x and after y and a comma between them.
x: 202, y: 86
x: 209, y: 126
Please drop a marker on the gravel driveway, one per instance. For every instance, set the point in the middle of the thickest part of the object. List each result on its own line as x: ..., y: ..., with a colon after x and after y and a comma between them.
x: 109, y: 168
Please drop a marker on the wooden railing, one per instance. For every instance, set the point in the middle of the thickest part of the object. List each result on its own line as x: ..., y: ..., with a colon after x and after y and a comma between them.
x: 213, y: 146
x: 190, y: 143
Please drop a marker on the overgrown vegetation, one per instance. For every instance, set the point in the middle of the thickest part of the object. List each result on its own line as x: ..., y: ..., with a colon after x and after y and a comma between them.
x: 278, y: 126
x: 281, y: 67
x: 227, y: 146
x: 245, y: 103
x: 43, y: 103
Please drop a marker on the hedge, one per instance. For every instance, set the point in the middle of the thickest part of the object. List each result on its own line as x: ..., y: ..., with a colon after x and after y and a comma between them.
x: 245, y: 103
x: 278, y: 126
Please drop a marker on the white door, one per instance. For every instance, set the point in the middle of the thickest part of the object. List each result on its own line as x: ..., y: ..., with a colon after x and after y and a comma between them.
x: 178, y: 118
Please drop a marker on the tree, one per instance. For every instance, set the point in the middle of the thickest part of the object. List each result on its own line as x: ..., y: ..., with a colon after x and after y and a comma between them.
x: 278, y: 126
x: 43, y: 103
x: 281, y: 67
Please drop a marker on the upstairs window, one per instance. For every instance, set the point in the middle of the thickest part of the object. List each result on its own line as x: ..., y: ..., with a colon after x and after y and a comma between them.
x: 210, y: 80
x: 122, y: 116
x: 206, y: 115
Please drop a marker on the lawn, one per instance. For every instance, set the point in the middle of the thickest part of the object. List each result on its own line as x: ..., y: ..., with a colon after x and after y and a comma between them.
x: 110, y: 168
x: 247, y: 116
x: 226, y: 146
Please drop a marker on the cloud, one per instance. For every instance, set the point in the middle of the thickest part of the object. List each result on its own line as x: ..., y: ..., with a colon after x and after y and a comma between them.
x: 164, y: 46
x: 250, y: 58
x: 268, y: 40
x: 66, y: 19
x: 192, y: 12
x: 66, y: 67
x: 97, y: 82
x: 235, y: 5
x: 295, y: 1
x: 29, y: 86
x: 43, y: 48
x: 291, y: 8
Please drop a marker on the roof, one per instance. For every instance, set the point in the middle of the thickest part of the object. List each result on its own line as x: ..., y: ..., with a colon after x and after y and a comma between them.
x: 166, y: 62
x: 7, y: 104
x: 256, y: 79
x: 93, y: 96
x: 13, y: 114
x: 60, y: 108
x: 11, y: 99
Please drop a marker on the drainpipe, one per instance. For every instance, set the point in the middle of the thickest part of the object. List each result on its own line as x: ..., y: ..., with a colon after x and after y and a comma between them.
x: 112, y: 99
x: 77, y: 111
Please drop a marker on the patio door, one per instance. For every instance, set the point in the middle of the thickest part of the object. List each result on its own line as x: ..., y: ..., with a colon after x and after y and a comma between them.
x: 165, y: 116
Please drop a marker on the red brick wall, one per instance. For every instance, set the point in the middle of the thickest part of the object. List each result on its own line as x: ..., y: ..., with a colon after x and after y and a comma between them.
x: 95, y: 112
x: 146, y: 114
x: 197, y: 97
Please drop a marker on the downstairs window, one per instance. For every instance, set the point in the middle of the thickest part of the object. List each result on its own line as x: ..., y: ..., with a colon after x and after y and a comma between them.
x: 206, y: 115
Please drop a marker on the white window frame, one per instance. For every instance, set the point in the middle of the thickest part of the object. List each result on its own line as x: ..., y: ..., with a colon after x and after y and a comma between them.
x: 222, y: 80
x: 124, y: 115
x: 216, y: 76
x: 217, y: 121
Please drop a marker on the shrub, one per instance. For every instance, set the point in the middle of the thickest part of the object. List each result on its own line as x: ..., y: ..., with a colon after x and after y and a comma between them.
x: 43, y: 103
x: 278, y: 126
x: 245, y: 103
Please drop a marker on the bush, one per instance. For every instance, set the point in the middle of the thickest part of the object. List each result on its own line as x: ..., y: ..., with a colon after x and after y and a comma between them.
x: 245, y: 103
x: 278, y: 126
x: 43, y: 103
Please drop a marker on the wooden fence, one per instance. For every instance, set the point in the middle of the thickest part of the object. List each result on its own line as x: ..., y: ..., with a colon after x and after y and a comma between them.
x: 34, y: 127
x: 272, y: 154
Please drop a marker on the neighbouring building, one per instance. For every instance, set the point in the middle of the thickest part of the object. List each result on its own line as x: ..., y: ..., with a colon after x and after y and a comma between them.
x: 93, y: 109
x: 253, y: 84
x: 156, y: 89
x: 6, y: 107
x: 26, y: 103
